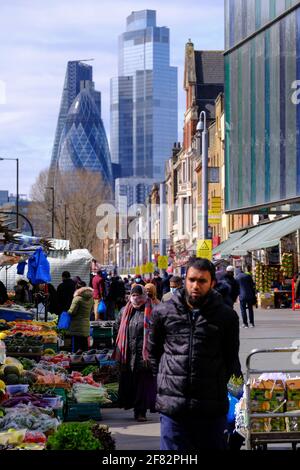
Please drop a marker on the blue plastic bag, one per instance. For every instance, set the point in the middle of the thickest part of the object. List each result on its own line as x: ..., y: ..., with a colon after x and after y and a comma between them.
x: 102, y: 307
x: 38, y: 268
x: 64, y: 321
x: 231, y: 412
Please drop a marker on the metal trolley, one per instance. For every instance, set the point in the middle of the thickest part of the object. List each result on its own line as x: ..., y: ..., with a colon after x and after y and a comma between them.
x: 260, y: 440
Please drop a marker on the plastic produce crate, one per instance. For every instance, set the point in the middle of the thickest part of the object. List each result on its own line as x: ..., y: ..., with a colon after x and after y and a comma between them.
x: 83, y: 411
x: 102, y: 332
x: 53, y: 346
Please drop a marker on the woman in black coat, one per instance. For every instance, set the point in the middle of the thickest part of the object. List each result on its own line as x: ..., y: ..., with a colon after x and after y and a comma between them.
x: 137, y: 388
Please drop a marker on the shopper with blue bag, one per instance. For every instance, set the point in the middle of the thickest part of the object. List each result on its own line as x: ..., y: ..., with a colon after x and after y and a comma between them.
x: 102, y: 310
x: 80, y: 312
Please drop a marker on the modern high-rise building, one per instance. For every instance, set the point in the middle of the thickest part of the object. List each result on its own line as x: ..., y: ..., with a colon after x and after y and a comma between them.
x: 262, y: 105
x: 83, y: 143
x: 76, y: 72
x: 80, y: 139
x: 143, y: 99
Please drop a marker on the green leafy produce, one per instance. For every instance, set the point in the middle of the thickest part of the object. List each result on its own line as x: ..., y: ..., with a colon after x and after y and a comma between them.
x: 74, y: 436
x: 101, y: 432
x: 90, y: 370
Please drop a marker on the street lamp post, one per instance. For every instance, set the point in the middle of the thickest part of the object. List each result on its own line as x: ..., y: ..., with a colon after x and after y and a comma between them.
x: 52, y: 224
x: 201, y: 128
x: 17, y: 184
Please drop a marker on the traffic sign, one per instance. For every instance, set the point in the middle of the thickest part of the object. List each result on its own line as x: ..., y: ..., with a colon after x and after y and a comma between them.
x: 162, y: 262
x: 204, y: 249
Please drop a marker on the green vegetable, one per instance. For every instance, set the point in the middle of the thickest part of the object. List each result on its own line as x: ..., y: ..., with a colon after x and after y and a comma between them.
x: 11, y: 370
x: 12, y: 379
x: 90, y: 370
x: 74, y: 436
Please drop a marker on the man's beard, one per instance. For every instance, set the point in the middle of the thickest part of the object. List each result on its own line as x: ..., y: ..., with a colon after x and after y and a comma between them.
x: 195, y: 302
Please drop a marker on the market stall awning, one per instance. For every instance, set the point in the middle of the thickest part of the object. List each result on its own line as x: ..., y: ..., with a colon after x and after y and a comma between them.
x: 269, y: 235
x: 224, y: 249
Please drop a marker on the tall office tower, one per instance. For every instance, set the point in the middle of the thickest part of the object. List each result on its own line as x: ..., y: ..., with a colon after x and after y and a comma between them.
x: 83, y: 143
x: 143, y: 99
x: 76, y: 72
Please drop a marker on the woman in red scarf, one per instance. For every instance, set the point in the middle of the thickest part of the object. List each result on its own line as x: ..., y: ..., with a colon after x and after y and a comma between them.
x: 137, y: 387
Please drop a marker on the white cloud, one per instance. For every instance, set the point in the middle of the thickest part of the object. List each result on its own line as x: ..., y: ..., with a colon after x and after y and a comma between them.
x: 37, y: 38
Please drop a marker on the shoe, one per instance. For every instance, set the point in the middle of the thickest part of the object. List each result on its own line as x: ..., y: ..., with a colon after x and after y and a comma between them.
x: 245, y: 326
x: 251, y: 325
x: 141, y: 419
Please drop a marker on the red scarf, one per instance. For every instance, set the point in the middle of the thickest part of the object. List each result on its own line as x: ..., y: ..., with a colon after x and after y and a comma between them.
x: 120, y: 351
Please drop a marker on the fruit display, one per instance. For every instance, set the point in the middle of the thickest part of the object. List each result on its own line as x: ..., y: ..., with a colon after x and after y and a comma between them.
x: 287, y: 262
x: 265, y: 276
x: 20, y: 343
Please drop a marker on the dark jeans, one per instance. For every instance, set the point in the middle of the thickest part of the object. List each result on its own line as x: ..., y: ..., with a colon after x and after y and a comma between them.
x: 244, y: 305
x: 79, y: 342
x: 193, y: 434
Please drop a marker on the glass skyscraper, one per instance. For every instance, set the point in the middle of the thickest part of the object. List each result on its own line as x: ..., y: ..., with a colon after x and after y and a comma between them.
x: 83, y: 142
x: 143, y: 99
x: 80, y: 139
x: 76, y: 72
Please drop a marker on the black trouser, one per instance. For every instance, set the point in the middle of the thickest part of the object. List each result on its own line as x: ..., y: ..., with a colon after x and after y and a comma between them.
x: 79, y: 342
x: 193, y: 434
x: 244, y: 305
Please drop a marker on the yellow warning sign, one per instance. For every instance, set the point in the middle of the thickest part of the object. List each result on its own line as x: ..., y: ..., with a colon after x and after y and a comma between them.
x: 144, y: 269
x: 138, y: 270
x: 204, y: 249
x: 162, y: 262
x: 150, y: 268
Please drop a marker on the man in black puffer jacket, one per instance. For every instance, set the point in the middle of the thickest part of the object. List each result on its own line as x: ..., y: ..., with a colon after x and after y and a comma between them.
x: 194, y: 345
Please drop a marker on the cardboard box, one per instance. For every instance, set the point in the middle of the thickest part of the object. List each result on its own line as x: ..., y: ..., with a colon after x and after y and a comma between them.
x: 292, y: 405
x: 259, y: 406
x: 266, y: 300
x: 293, y: 389
x: 264, y: 390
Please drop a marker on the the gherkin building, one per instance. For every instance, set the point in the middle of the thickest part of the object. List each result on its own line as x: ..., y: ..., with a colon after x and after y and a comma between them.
x: 83, y: 142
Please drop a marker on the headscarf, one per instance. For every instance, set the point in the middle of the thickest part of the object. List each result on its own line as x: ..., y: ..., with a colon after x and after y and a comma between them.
x: 153, y: 291
x: 120, y: 351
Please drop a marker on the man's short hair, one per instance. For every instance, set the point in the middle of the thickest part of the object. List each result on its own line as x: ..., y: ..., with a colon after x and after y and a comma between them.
x: 202, y: 264
x: 99, y: 272
x: 66, y: 275
x: 176, y: 280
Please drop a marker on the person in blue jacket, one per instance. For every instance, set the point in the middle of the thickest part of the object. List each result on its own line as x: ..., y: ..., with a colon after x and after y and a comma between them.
x: 247, y: 297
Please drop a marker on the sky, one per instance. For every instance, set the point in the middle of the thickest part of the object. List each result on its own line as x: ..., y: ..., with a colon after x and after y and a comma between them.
x: 38, y: 37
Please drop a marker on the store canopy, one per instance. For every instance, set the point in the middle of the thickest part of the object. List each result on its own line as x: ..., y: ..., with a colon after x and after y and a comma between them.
x: 268, y: 236
x: 224, y: 249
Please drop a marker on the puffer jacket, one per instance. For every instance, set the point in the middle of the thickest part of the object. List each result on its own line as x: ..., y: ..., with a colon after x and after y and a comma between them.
x: 193, y: 359
x: 80, y: 311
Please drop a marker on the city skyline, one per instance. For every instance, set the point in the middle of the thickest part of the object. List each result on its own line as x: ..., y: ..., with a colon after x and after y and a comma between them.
x: 52, y: 35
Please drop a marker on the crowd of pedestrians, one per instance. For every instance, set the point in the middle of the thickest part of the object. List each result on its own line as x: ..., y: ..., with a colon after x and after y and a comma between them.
x: 176, y: 341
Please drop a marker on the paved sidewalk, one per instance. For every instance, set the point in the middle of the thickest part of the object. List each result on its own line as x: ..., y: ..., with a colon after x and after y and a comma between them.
x: 274, y: 328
